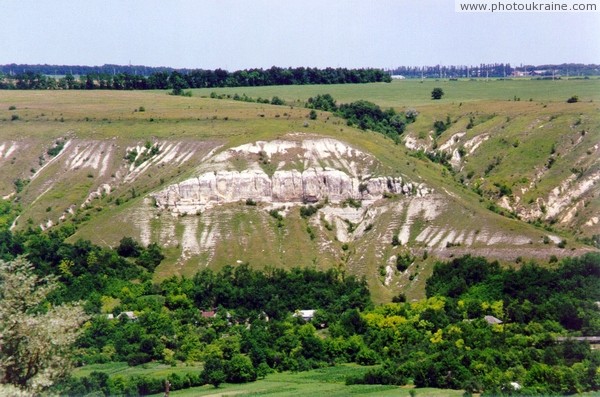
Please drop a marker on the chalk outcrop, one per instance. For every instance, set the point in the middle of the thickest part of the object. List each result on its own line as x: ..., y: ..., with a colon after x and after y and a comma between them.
x: 331, y: 170
x: 291, y: 186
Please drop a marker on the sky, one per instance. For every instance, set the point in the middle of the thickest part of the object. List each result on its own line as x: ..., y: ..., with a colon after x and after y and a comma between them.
x: 241, y: 34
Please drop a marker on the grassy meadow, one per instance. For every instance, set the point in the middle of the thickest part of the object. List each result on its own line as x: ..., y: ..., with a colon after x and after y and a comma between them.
x: 319, y: 382
x: 329, y: 381
x: 410, y: 93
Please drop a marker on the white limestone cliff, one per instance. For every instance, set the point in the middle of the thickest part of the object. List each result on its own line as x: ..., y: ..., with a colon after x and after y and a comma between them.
x: 292, y: 186
x: 332, y: 171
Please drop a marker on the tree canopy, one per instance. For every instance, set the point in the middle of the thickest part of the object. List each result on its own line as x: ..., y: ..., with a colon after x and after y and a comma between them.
x: 35, y: 338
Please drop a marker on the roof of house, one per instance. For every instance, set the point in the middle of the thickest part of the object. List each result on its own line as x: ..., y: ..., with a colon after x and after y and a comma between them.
x: 492, y: 320
x: 305, y: 314
x: 591, y: 339
x: 209, y: 314
x: 129, y: 315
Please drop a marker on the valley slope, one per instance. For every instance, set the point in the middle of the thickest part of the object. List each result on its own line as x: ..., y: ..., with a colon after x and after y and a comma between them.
x: 221, y: 182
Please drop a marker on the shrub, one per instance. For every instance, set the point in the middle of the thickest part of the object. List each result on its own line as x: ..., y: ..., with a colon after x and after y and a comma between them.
x: 573, y: 99
x: 14, y: 117
x: 56, y: 149
x: 439, y: 127
x: 308, y: 211
x: 404, y: 261
x: 352, y: 203
x: 437, y: 93
x: 12, y: 107
x: 562, y: 244
x: 277, y: 101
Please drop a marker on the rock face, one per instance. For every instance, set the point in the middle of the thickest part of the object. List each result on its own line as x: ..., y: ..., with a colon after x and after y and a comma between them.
x: 290, y: 186
x: 308, y: 171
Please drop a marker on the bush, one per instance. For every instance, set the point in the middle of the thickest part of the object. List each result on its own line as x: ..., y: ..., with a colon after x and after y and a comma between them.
x: 350, y: 202
x: 366, y: 356
x: 138, y: 358
x: 404, y: 261
x: 439, y: 127
x: 14, y: 117
x: 308, y: 211
x: 562, y: 244
x: 573, y: 99
x: 277, y: 101
x: 312, y: 115
x: 56, y: 149
x: 437, y: 93
x: 128, y: 247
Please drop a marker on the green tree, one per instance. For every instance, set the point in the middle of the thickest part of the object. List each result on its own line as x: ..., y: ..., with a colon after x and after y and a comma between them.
x: 437, y: 93
x: 214, y: 372
x: 36, y: 338
x: 240, y: 369
x: 128, y: 247
x: 263, y: 370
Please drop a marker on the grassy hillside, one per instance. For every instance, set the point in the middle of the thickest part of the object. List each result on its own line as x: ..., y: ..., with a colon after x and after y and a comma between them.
x: 84, y: 157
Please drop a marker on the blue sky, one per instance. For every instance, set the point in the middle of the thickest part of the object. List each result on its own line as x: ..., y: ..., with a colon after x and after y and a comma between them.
x: 237, y: 34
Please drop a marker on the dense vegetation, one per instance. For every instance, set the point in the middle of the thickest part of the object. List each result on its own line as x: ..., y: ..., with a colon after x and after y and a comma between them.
x: 447, y: 341
x: 366, y: 115
x: 444, y: 341
x: 482, y: 327
x: 197, y: 78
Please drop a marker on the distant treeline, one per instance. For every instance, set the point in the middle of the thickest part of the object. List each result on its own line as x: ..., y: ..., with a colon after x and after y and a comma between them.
x: 496, y: 70
x: 431, y: 71
x: 39, y: 78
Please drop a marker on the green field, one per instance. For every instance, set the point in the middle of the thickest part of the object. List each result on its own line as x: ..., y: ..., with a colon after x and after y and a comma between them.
x: 153, y: 370
x: 407, y: 93
x: 318, y: 382
x: 328, y: 381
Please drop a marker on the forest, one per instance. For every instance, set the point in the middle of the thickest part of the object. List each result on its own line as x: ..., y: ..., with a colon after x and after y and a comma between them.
x: 198, y: 78
x: 482, y: 328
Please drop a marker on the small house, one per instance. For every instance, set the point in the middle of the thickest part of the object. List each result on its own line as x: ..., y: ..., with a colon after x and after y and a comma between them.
x: 492, y: 320
x: 128, y: 315
x: 306, y: 315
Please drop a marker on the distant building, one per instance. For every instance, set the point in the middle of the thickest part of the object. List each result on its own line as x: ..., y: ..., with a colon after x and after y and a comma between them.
x: 209, y: 314
x: 515, y: 385
x: 492, y: 320
x: 128, y: 315
x: 306, y: 315
x: 398, y: 77
x: 593, y: 340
